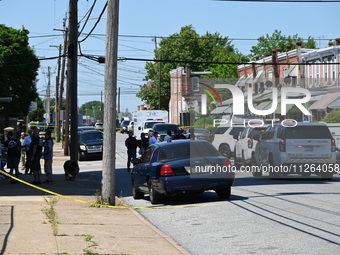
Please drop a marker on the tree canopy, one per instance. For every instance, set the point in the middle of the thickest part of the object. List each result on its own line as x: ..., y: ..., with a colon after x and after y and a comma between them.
x: 332, y: 117
x: 93, y: 109
x: 188, y: 45
x: 276, y: 40
x: 38, y: 114
x: 18, y: 70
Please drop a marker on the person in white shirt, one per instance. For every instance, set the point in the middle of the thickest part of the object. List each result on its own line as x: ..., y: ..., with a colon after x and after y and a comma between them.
x: 26, y: 143
x: 154, y: 139
x: 168, y: 136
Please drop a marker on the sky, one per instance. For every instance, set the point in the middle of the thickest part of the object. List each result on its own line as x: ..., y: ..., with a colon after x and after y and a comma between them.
x: 140, y: 21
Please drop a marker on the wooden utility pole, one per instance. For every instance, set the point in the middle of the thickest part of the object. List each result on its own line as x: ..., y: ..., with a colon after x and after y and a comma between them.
x: 109, y: 153
x: 62, y: 78
x: 57, y: 98
x: 48, y: 96
x: 72, y: 75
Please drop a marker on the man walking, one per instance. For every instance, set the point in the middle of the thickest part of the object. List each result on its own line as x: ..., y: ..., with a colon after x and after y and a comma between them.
x: 131, y: 145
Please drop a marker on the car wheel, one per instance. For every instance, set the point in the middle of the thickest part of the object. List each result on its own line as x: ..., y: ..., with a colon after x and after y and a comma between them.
x: 136, y: 194
x: 327, y: 176
x: 224, y: 192
x: 244, y: 163
x: 80, y: 157
x: 225, y: 151
x: 236, y: 162
x: 306, y: 175
x: 155, y: 197
x: 273, y: 174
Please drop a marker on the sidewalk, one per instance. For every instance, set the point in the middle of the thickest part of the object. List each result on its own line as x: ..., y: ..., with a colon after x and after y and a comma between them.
x: 80, y: 228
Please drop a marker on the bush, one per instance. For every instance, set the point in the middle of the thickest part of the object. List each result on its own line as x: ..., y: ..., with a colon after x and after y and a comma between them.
x: 332, y: 117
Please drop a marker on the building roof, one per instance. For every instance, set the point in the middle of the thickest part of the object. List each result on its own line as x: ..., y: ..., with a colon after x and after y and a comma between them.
x: 325, y: 101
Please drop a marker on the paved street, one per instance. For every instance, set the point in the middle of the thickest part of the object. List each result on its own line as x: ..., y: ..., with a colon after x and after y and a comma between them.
x: 263, y: 216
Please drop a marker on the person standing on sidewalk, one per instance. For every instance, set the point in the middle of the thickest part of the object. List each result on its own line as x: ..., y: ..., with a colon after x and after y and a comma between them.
x: 36, y: 150
x: 48, y: 156
x: 131, y: 145
x: 22, y: 151
x: 26, y: 144
x: 13, y: 155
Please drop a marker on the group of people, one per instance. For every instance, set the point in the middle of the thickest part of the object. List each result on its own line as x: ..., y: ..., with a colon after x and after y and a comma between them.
x: 132, y: 144
x: 29, y: 150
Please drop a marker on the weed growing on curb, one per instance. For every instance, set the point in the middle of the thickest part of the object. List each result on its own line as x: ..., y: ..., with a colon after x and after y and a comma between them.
x: 51, y: 213
x: 99, y: 201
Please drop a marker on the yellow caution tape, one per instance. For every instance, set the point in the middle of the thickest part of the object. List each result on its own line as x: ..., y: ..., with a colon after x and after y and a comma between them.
x: 99, y: 205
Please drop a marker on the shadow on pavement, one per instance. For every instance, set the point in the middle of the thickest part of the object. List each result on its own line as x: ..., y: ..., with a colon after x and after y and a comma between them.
x: 86, y: 184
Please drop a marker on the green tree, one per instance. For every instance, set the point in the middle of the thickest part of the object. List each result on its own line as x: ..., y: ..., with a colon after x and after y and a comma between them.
x: 18, y: 70
x: 188, y: 45
x: 93, y: 109
x: 269, y: 42
x: 38, y: 114
x: 332, y: 117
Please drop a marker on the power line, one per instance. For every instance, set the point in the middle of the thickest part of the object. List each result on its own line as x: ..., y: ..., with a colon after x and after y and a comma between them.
x: 95, y: 25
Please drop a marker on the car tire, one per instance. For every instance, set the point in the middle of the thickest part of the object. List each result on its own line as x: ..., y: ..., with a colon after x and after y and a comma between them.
x: 273, y: 174
x: 224, y: 192
x: 256, y: 171
x: 155, y: 197
x: 225, y: 150
x: 80, y: 157
x: 236, y: 163
x: 244, y: 163
x: 327, y: 176
x: 136, y: 194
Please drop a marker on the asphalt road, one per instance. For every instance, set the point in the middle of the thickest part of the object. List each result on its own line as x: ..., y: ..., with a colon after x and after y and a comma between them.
x: 263, y: 216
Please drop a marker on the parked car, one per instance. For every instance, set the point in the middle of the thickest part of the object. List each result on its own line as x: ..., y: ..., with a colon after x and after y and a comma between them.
x: 245, y: 146
x: 130, y: 127
x: 307, y: 148
x: 200, y: 134
x: 224, y: 140
x: 124, y: 126
x: 179, y: 166
x: 90, y: 144
x: 162, y: 129
x: 99, y: 126
x: 85, y: 127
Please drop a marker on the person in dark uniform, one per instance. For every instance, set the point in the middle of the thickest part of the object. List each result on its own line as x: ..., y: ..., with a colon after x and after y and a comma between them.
x: 131, y: 145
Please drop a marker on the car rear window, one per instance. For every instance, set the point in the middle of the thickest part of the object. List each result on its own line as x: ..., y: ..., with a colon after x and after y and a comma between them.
x: 187, y: 150
x: 221, y: 130
x: 257, y: 131
x: 236, y: 130
x: 165, y: 127
x: 151, y: 124
x: 307, y: 132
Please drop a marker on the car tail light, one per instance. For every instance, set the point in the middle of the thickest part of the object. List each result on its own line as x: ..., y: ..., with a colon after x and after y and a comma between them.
x: 333, y: 145
x: 166, y: 170
x: 282, y: 145
x: 250, y: 143
x: 227, y: 163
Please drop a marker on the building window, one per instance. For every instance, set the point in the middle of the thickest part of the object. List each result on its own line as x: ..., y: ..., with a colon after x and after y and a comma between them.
x: 195, y: 83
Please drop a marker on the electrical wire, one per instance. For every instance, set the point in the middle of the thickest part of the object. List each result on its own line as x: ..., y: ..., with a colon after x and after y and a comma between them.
x: 95, y: 25
x: 88, y: 14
